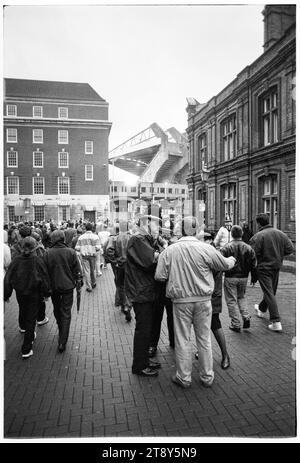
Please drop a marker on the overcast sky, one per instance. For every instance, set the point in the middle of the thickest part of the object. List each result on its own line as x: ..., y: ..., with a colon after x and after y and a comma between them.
x: 144, y: 60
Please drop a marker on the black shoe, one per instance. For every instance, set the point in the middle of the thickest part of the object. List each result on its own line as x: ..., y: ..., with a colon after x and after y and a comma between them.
x: 94, y: 286
x: 225, y: 362
x: 152, y: 352
x: 61, y: 348
x: 88, y: 290
x: 235, y: 328
x: 127, y: 316
x: 246, y: 323
x: 146, y: 372
x: 154, y: 365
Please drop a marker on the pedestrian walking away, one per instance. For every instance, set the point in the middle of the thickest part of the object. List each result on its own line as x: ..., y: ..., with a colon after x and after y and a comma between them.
x: 235, y: 281
x: 28, y: 276
x: 140, y: 290
x: 88, y: 245
x: 65, y: 272
x: 187, y: 267
x: 270, y: 246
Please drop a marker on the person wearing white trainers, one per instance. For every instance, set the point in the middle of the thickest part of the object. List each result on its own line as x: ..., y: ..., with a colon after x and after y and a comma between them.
x: 270, y: 246
x: 28, y: 276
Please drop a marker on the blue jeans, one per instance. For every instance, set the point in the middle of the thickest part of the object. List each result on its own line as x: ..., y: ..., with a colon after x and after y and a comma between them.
x: 62, y: 305
x: 234, y: 292
x: 268, y: 280
x: 185, y: 315
x: 89, y: 267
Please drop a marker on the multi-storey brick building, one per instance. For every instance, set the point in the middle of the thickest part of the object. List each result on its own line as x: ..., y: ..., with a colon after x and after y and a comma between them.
x: 242, y: 141
x: 55, y: 151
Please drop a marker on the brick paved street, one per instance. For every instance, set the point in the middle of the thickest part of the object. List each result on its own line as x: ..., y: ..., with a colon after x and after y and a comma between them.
x: 89, y: 390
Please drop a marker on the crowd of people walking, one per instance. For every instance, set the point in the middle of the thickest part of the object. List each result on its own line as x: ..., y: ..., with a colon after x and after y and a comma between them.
x: 184, y: 270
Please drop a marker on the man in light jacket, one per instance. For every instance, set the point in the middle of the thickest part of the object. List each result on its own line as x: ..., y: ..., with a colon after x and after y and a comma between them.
x: 88, y: 245
x: 187, y: 266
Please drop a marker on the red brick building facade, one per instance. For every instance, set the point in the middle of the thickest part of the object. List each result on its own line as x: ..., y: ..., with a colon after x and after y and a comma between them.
x: 55, y: 151
x: 242, y: 141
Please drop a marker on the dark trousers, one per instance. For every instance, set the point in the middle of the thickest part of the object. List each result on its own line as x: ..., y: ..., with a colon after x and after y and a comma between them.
x: 268, y: 280
x: 143, y: 316
x: 62, y: 304
x: 42, y: 310
x: 160, y: 304
x: 28, y: 310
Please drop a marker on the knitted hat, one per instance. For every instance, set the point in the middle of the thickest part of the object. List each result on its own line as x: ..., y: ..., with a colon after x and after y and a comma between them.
x: 57, y: 235
x: 24, y: 231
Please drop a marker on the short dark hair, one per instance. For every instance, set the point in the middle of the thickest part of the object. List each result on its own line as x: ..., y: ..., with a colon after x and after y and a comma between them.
x: 88, y: 226
x: 262, y: 219
x: 236, y: 232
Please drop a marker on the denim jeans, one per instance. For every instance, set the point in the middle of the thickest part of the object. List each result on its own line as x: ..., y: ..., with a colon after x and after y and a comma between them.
x: 89, y: 267
x: 234, y: 292
x: 62, y: 305
x: 268, y: 280
x: 185, y: 315
x: 28, y: 311
x: 143, y: 317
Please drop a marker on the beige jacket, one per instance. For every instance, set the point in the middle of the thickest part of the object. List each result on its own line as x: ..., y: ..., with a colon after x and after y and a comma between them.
x: 187, y: 266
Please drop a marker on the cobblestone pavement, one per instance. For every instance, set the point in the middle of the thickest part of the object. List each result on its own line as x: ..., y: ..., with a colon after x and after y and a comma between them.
x: 89, y: 391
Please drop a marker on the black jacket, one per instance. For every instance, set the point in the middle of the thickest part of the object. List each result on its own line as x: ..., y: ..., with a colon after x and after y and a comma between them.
x: 140, y: 269
x: 63, y: 267
x: 27, y: 275
x: 270, y: 246
x: 245, y: 259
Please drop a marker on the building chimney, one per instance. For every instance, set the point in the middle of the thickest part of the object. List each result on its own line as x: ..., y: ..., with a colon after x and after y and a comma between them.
x: 277, y: 19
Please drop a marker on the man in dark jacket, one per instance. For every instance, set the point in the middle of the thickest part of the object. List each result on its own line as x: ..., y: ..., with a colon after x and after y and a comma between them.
x: 270, y: 246
x: 140, y: 290
x: 28, y: 276
x: 16, y: 249
x: 235, y: 282
x: 65, y: 272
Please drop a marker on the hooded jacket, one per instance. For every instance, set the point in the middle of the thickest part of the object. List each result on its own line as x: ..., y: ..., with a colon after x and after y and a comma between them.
x: 140, y: 268
x: 63, y: 267
x: 27, y: 275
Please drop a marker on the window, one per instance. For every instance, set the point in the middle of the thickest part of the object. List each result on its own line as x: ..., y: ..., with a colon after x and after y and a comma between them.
x: 63, y: 113
x: 292, y: 199
x: 89, y: 147
x: 63, y: 159
x: 39, y: 213
x: 63, y: 212
x: 89, y: 172
x: 63, y: 137
x: 37, y: 136
x: 37, y: 111
x: 170, y: 190
x: 11, y: 110
x: 12, y: 185
x: 143, y: 189
x: 162, y: 190
x: 11, y: 213
x: 38, y: 185
x: 38, y: 159
x: 133, y: 189
x: 202, y: 152
x: 269, y: 109
x: 63, y: 185
x: 12, y: 158
x: 229, y: 138
x: 269, y: 197
x: 183, y: 191
x: 11, y: 135
x: 229, y: 201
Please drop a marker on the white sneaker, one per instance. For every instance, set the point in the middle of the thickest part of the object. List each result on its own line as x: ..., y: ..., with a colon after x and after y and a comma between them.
x: 21, y: 331
x: 275, y: 326
x: 259, y: 313
x: 43, y: 322
x: 25, y: 356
